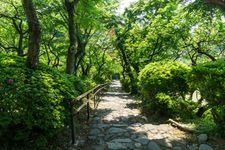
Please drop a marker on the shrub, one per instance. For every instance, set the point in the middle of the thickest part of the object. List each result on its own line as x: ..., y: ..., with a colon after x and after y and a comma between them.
x: 163, y: 103
x: 205, y: 124
x: 163, y: 84
x: 167, y: 106
x: 167, y: 77
x: 126, y: 84
x: 209, y: 79
x: 32, y: 107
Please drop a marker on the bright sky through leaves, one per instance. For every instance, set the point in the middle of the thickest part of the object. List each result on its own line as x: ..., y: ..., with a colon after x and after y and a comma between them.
x: 124, y: 4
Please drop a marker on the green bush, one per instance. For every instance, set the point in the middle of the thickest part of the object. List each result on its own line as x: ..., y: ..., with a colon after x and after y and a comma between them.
x: 163, y: 84
x: 209, y: 79
x: 163, y: 103
x: 126, y: 84
x: 167, y: 106
x: 205, y: 124
x: 166, y: 77
x: 129, y: 86
x: 32, y: 103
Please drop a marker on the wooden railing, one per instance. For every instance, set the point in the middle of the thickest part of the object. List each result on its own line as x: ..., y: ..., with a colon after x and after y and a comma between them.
x: 85, y: 98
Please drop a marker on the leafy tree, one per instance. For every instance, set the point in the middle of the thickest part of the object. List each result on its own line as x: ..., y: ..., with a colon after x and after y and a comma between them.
x: 203, y: 41
x: 34, y: 34
x: 70, y: 8
x: 13, y: 35
x: 144, y: 34
x: 208, y: 78
x: 54, y: 29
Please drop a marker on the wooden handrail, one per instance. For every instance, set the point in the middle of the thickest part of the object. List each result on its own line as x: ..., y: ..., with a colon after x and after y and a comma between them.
x: 99, y: 90
x: 83, y: 105
x: 86, y: 97
x: 90, y: 91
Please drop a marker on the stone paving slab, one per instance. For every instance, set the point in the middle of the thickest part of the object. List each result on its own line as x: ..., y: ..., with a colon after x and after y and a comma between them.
x: 116, y: 126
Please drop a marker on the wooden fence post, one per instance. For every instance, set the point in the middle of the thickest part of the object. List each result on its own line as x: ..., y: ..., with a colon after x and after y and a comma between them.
x: 72, y: 123
x: 97, y: 91
x: 88, y: 108
x: 94, y: 102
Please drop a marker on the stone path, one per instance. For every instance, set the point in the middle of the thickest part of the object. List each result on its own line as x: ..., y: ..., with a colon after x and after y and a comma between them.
x: 117, y: 125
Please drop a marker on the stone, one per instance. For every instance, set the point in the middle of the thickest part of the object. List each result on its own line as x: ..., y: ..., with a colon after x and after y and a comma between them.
x: 153, y: 146
x: 177, y: 148
x: 119, y: 125
x: 103, y: 126
x: 148, y: 127
x: 81, y: 142
x: 95, y: 132
x: 126, y: 140
x: 108, y: 136
x: 127, y: 134
x: 142, y: 134
x: 130, y: 146
x: 130, y: 129
x: 202, y: 138
x: 98, y: 147
x: 134, y: 136
x: 137, y: 145
x: 101, y: 141
x: 165, y: 143
x: 116, y: 130
x: 142, y: 140
x: 193, y: 147
x: 92, y: 137
x: 175, y: 140
x: 205, y: 147
x: 116, y: 146
x: 158, y: 136
x: 136, y: 125
x: 101, y: 135
x: 97, y: 120
x: 144, y: 118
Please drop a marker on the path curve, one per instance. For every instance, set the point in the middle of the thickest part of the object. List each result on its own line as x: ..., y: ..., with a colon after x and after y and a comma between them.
x: 118, y: 125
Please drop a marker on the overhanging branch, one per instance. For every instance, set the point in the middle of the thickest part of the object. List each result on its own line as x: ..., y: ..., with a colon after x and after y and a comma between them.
x: 220, y: 3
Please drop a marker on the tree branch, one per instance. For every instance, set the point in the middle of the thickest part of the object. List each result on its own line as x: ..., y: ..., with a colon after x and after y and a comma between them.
x: 220, y: 3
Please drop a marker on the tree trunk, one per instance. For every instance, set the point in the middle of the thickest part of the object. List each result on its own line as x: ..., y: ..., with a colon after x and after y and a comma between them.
x: 70, y: 8
x: 20, y: 45
x: 79, y: 55
x: 34, y: 34
x: 129, y: 71
x: 19, y: 29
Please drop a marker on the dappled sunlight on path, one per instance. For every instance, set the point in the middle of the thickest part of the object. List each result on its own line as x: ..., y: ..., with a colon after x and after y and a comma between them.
x: 118, y: 124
